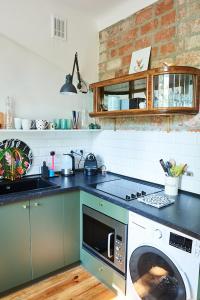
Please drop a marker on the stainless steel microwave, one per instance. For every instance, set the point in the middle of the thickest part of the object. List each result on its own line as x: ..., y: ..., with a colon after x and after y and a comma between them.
x: 105, y: 237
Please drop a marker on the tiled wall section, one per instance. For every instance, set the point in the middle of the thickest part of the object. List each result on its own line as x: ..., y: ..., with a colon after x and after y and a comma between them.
x: 137, y: 154
x: 42, y: 142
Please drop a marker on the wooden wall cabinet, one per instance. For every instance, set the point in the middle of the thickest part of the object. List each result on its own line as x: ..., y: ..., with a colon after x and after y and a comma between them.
x: 161, y: 91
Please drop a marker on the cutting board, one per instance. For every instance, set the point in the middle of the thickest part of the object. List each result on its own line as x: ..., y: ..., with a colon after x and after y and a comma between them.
x: 1, y: 119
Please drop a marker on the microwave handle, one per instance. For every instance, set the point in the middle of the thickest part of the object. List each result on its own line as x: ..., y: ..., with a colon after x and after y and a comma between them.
x: 109, y: 238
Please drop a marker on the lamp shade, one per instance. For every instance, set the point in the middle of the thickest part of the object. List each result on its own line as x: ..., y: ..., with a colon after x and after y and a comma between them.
x: 68, y: 87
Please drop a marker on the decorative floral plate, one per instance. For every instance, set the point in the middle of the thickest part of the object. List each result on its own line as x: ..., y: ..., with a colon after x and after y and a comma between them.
x: 15, y: 159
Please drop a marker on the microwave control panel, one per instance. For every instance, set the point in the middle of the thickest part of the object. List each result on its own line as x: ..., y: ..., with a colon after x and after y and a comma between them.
x: 119, y: 250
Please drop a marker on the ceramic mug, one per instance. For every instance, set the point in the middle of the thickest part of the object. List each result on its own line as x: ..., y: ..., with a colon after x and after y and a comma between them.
x: 51, y: 125
x: 18, y: 123
x: 57, y: 123
x: 41, y: 124
x: 142, y: 104
x: 26, y: 124
x: 63, y: 123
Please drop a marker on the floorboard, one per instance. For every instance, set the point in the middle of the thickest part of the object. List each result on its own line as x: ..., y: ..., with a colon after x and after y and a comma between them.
x: 74, y: 284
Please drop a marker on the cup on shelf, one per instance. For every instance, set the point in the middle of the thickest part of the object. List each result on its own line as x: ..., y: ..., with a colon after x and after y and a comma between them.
x: 18, y: 123
x: 51, y: 126
x: 57, y: 123
x: 26, y: 124
x: 42, y: 124
x: 63, y: 123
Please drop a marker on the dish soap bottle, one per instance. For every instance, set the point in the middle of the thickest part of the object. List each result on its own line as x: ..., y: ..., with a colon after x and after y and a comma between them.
x: 44, y: 170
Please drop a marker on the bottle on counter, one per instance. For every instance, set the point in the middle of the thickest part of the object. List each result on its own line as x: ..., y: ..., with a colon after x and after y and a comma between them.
x: 44, y: 170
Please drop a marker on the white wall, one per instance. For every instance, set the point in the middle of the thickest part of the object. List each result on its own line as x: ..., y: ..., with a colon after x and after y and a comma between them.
x: 120, y: 12
x: 137, y: 154
x: 33, y: 65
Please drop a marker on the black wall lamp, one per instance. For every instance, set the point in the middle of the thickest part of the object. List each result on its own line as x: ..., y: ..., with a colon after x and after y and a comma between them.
x: 68, y: 88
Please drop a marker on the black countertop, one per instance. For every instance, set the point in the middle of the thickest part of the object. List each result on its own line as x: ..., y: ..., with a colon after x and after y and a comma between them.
x: 183, y: 215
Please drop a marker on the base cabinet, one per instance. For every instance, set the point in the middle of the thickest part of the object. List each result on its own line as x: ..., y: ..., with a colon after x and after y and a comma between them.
x: 104, y: 273
x: 15, y: 268
x: 71, y: 227
x: 38, y: 237
x: 46, y: 221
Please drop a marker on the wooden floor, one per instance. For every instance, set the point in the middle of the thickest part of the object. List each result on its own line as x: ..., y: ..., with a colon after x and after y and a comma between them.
x: 74, y: 284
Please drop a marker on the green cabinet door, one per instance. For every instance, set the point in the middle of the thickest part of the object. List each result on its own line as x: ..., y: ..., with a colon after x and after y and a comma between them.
x: 15, y: 265
x: 71, y: 227
x: 46, y: 219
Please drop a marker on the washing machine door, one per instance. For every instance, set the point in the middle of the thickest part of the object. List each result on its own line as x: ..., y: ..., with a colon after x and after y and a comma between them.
x: 154, y: 276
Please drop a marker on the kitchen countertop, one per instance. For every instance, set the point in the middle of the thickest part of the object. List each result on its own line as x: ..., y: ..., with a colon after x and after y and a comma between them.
x: 183, y: 215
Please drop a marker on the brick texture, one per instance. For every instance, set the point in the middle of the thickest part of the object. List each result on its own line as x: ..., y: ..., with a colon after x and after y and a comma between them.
x: 171, y: 27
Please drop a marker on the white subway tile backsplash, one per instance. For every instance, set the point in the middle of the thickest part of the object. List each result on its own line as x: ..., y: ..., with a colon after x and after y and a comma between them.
x: 127, y: 152
x: 137, y: 154
x: 42, y: 143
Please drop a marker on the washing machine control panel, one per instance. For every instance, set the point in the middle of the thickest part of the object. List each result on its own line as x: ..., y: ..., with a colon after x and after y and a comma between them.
x: 180, y: 242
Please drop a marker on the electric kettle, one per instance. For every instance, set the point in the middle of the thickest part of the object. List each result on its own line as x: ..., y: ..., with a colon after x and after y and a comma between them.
x: 68, y: 165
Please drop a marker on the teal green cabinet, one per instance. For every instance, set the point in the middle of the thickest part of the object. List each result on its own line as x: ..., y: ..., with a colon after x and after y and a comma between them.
x: 15, y: 266
x: 71, y: 227
x: 46, y: 219
x: 102, y: 271
x: 106, y: 207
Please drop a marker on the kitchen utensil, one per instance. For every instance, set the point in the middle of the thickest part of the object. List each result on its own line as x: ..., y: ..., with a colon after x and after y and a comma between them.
x: 57, y: 123
x: 18, y: 123
x: 164, y: 166
x: 171, y: 185
x: 9, y: 111
x: 90, y: 165
x: 26, y: 124
x: 114, y: 103
x: 15, y: 159
x: 75, y: 119
x: 1, y: 120
x: 68, y: 165
x: 41, y: 124
x: 63, y: 123
x: 52, y: 153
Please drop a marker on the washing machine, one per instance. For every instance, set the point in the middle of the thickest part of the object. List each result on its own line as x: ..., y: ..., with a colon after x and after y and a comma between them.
x: 162, y: 263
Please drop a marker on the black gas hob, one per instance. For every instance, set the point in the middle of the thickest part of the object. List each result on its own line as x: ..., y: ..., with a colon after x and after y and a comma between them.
x: 125, y: 189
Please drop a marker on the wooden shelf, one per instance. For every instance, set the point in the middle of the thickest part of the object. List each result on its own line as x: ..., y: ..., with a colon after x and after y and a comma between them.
x: 125, y: 85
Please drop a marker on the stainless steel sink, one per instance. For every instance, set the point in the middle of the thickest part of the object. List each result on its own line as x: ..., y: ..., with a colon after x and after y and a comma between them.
x: 25, y: 184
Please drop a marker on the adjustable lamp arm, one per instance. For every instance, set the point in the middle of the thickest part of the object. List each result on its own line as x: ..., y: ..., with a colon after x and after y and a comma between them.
x: 78, y: 73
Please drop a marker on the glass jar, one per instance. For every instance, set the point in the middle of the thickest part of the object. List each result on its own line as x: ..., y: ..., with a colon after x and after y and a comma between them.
x: 9, y: 113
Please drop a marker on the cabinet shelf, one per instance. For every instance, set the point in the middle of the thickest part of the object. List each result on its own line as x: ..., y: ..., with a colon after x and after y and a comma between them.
x: 162, y: 91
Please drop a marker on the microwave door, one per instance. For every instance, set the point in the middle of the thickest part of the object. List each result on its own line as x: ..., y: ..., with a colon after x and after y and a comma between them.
x: 98, y: 237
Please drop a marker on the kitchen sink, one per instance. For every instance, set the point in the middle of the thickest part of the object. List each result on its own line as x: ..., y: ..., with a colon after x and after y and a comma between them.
x: 25, y: 184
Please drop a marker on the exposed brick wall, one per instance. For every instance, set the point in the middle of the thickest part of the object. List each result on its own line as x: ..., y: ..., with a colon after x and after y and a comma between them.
x: 172, y: 28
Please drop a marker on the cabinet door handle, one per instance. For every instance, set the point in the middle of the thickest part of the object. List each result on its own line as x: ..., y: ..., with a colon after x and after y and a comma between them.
x: 36, y: 204
x: 25, y: 206
x: 101, y: 269
x: 101, y: 203
x: 108, y: 249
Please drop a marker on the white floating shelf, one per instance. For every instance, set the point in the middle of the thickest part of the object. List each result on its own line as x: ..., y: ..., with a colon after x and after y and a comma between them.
x: 56, y: 130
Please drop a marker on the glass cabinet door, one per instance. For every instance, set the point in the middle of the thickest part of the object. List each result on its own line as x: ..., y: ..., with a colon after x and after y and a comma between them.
x: 173, y: 90
x: 124, y: 96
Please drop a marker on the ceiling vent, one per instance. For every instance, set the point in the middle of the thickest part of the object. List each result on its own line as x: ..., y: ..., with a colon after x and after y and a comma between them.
x: 59, y: 28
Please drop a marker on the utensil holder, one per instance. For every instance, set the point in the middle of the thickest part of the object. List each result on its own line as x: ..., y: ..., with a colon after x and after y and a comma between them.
x: 171, y: 185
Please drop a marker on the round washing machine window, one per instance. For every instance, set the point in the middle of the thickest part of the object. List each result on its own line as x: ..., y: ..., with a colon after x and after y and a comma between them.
x: 155, y: 276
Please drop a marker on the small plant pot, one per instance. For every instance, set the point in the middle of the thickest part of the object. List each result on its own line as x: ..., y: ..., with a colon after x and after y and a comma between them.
x: 171, y: 185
